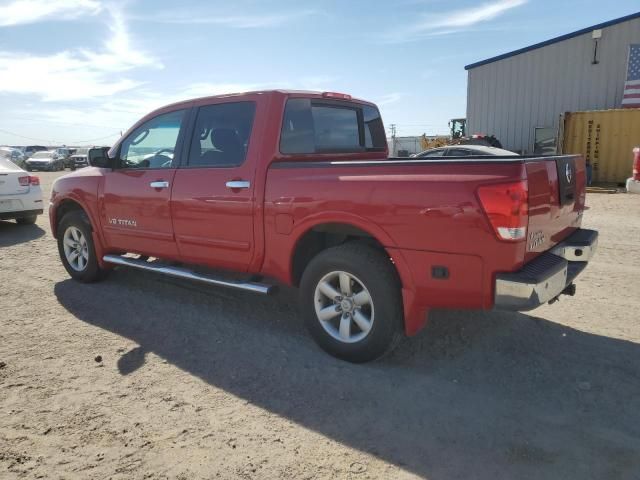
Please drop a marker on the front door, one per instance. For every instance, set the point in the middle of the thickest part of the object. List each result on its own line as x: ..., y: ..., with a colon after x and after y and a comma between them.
x: 136, y: 214
x: 212, y: 200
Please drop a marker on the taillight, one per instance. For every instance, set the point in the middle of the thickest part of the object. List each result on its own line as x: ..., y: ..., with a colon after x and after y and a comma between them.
x: 507, y: 207
x: 28, y: 180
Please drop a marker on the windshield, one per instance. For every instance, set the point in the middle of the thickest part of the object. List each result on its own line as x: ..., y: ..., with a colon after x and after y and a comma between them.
x: 43, y: 155
x: 82, y: 151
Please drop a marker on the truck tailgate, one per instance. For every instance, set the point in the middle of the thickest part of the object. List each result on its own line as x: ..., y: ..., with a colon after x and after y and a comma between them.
x: 557, y: 187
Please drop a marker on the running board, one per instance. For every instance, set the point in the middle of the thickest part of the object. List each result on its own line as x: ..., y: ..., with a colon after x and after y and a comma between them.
x: 190, y: 275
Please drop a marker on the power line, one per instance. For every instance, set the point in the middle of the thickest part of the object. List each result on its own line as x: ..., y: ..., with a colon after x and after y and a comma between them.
x: 48, y: 140
x: 40, y: 121
x: 119, y: 132
x: 53, y: 141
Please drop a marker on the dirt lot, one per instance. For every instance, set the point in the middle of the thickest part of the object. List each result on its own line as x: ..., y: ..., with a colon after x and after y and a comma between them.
x: 196, y: 382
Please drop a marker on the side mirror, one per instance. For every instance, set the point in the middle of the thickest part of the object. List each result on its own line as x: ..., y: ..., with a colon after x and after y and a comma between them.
x: 99, y: 158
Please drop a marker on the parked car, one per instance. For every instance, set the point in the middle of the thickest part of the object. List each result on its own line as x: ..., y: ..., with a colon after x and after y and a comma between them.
x: 31, y: 149
x: 82, y: 156
x: 48, y: 160
x: 297, y: 188
x: 465, y: 151
x: 14, y: 154
x: 20, y: 194
x: 65, y: 155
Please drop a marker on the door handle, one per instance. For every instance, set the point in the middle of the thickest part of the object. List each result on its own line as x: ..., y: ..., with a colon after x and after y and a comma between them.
x: 159, y: 184
x: 233, y: 184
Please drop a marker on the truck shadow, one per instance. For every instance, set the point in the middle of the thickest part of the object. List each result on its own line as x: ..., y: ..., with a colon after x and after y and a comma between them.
x: 12, y: 234
x: 475, y: 395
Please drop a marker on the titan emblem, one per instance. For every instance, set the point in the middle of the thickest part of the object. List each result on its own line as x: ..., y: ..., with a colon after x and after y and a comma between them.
x: 536, y: 239
x: 568, y: 173
x: 123, y: 222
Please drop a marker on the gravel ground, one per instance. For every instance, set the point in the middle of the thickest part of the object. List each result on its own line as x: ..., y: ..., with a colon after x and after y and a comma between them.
x: 196, y: 382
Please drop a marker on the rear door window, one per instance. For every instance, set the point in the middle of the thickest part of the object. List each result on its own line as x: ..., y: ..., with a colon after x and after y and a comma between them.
x: 330, y: 127
x: 221, y: 135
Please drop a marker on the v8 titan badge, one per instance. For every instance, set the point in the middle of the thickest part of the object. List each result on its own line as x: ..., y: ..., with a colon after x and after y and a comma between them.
x: 124, y: 222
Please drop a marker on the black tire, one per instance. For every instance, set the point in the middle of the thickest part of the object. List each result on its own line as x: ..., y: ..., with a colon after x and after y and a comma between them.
x: 373, y: 269
x: 73, y: 167
x: 30, y: 220
x: 91, y: 271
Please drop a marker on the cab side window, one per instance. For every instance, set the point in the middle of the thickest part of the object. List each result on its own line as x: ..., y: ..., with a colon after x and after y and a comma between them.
x: 433, y: 153
x: 458, y: 152
x: 221, y: 135
x: 153, y: 144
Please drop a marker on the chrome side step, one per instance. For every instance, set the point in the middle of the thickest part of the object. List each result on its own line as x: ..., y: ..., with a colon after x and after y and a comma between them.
x: 179, y: 272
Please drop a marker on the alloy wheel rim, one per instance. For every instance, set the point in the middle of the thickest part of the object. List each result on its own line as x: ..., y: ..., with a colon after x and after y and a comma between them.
x: 76, y: 249
x: 344, y: 307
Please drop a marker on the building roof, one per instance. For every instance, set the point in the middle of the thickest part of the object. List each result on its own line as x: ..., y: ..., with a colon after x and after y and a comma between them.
x: 561, y: 38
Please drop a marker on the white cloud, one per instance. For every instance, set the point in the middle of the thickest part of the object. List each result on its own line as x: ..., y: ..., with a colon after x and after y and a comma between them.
x: 20, y: 12
x: 453, y: 21
x: 389, y: 99
x: 469, y: 17
x: 76, y: 74
x: 231, y: 21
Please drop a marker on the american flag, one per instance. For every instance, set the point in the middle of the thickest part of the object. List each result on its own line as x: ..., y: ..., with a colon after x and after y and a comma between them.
x: 631, y: 95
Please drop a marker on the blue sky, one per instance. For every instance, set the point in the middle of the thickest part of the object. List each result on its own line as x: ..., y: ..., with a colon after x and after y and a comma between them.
x: 76, y: 71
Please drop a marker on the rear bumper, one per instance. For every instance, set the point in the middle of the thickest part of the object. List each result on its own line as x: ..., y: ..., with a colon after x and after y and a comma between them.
x: 546, y: 277
x: 19, y: 214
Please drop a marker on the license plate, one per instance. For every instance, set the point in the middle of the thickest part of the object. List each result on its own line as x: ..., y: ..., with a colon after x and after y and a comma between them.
x: 5, y: 205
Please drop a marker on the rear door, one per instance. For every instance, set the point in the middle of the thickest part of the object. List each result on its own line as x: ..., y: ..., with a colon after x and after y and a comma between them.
x: 135, y: 209
x: 213, y: 201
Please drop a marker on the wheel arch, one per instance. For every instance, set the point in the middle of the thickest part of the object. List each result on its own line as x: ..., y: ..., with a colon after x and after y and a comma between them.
x: 357, y: 229
x: 62, y: 208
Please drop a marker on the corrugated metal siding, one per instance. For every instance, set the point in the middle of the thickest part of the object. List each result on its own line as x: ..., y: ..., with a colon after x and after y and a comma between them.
x: 606, y: 138
x: 510, y: 97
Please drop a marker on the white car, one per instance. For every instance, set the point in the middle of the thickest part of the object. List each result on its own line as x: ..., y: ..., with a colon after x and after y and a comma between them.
x: 20, y: 194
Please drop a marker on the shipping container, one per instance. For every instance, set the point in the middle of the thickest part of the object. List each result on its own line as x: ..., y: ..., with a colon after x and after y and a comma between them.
x: 606, y: 138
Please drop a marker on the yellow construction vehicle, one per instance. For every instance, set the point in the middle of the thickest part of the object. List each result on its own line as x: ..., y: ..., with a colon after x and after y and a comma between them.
x: 457, y: 136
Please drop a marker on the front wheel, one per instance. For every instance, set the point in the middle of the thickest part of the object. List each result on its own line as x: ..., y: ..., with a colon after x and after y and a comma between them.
x: 76, y: 249
x: 351, y: 301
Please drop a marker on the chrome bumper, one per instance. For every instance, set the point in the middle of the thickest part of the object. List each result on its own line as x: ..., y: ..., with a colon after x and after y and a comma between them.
x: 546, y: 277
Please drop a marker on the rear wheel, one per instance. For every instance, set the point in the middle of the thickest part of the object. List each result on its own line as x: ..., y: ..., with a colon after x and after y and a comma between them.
x: 350, y: 298
x: 30, y: 220
x: 76, y: 248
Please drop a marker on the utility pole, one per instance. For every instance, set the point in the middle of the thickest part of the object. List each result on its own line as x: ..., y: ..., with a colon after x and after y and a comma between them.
x: 393, y: 139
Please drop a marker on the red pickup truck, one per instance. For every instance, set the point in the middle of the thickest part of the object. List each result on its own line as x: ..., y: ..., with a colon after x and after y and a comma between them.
x: 251, y: 190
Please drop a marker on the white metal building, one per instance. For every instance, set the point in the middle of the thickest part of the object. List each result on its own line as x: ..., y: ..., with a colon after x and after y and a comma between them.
x: 519, y: 96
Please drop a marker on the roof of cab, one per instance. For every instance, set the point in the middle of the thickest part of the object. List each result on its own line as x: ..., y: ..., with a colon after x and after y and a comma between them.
x: 309, y: 93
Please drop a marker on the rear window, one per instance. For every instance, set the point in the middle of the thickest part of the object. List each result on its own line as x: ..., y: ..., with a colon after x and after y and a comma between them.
x: 330, y: 127
x: 6, y: 164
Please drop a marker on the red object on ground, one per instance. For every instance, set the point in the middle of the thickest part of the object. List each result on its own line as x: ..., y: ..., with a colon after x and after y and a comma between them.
x: 636, y: 164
